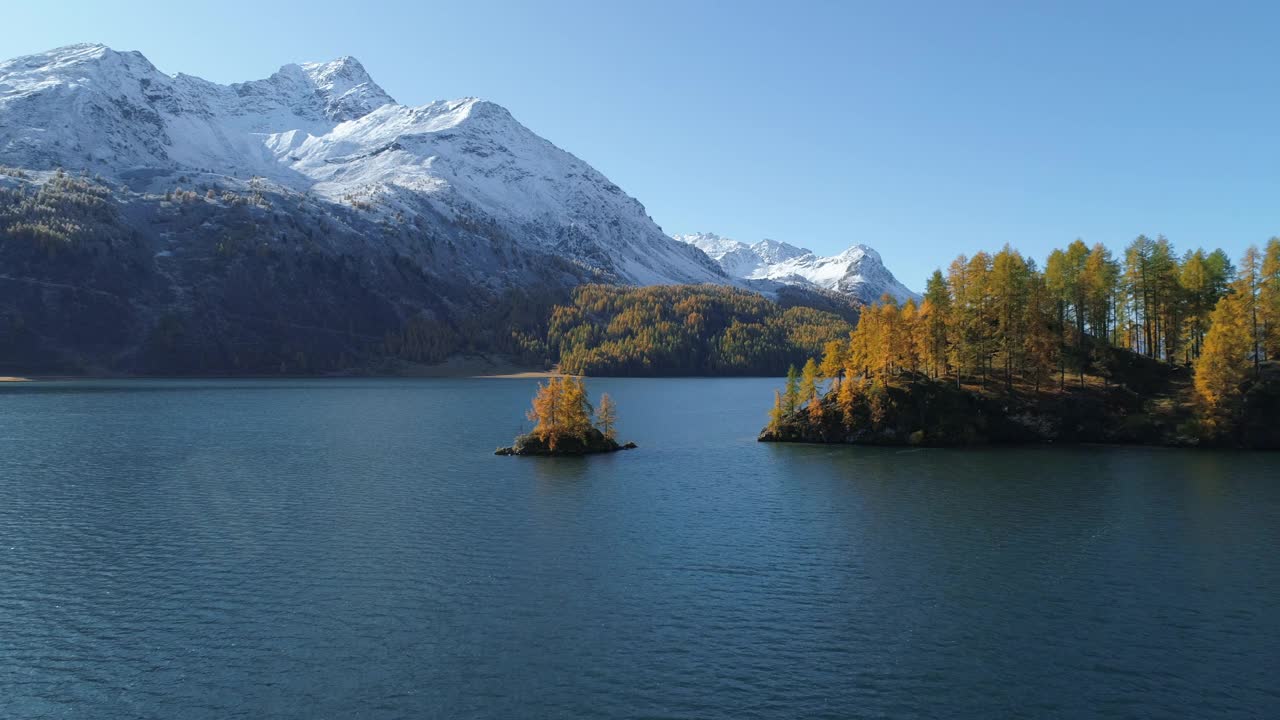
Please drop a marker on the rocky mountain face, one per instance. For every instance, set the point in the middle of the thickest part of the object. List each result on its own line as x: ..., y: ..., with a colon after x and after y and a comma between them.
x: 302, y: 222
x: 858, y: 272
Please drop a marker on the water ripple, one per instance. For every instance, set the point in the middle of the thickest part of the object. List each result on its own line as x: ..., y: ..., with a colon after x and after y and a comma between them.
x: 303, y: 549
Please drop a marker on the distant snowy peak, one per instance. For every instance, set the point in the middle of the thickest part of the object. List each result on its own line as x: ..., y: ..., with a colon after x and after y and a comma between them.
x: 347, y: 90
x: 772, y: 251
x: 858, y: 271
x: 328, y: 129
x: 113, y: 112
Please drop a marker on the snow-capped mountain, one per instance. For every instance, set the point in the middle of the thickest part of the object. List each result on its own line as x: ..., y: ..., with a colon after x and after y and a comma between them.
x: 329, y: 131
x: 858, y: 271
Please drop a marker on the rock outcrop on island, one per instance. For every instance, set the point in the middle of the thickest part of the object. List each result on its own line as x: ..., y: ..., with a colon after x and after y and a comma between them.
x: 593, y: 443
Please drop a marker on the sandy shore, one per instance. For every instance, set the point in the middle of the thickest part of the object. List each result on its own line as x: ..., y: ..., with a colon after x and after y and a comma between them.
x: 4, y: 378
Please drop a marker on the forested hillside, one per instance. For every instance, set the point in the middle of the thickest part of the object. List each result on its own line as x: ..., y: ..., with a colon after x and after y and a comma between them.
x: 230, y: 278
x: 685, y: 330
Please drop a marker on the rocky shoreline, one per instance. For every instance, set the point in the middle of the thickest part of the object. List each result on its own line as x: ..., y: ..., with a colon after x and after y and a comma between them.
x: 594, y: 443
x: 929, y: 413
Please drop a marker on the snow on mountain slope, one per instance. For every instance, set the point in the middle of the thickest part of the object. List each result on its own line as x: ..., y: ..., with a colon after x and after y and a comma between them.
x: 858, y: 271
x: 328, y: 129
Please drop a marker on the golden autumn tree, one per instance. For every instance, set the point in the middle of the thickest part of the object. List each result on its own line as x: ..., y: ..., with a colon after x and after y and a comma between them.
x: 1246, y: 287
x: 816, y: 411
x: 809, y: 381
x: 1040, y: 341
x: 858, y: 356
x: 577, y: 410
x: 1099, y: 279
x: 904, y: 344
x: 1008, y: 287
x: 834, y: 358
x: 1269, y: 299
x: 847, y: 399
x: 1224, y: 362
x: 878, y: 403
x: 776, y: 413
x: 560, y: 411
x: 889, y: 353
x: 919, y: 338
x: 547, y: 412
x: 607, y: 416
x: 937, y: 312
x: 960, y: 349
x: 1197, y: 289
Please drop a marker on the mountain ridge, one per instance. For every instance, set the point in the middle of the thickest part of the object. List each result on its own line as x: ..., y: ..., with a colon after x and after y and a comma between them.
x: 303, y: 222
x: 858, y: 271
x: 328, y: 128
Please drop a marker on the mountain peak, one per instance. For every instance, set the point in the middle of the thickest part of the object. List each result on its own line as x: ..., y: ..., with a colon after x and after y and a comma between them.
x: 858, y: 271
x: 774, y: 251
x: 66, y: 55
x: 85, y: 49
x: 856, y: 253
x: 56, y: 63
x: 462, y: 171
x: 344, y: 86
x: 340, y: 75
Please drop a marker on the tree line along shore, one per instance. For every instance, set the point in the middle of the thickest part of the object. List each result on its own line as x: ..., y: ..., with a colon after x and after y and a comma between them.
x: 1150, y: 347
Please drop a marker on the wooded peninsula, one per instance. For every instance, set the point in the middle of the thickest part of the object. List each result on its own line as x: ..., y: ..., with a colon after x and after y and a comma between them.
x: 1147, y: 348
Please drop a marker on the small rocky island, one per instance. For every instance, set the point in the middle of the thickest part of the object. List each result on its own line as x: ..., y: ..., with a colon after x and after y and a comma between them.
x: 563, y: 425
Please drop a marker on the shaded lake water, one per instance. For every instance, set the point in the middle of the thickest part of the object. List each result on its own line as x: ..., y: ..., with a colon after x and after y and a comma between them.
x: 352, y: 548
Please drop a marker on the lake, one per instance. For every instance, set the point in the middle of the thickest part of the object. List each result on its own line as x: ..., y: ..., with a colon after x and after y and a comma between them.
x: 352, y: 548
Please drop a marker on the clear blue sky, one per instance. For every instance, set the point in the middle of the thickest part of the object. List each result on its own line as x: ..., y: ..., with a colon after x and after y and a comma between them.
x: 923, y: 129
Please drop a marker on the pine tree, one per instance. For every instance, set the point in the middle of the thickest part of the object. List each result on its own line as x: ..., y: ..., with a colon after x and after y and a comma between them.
x: 791, y: 398
x: 606, y: 416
